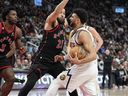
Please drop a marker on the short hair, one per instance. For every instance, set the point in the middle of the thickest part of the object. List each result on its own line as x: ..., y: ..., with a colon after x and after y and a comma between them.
x: 82, y: 14
x: 6, y: 11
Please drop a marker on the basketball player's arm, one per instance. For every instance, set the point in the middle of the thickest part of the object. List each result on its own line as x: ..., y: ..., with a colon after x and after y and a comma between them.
x: 97, y: 37
x: 12, y: 50
x: 18, y: 42
x: 53, y: 16
x: 85, y: 40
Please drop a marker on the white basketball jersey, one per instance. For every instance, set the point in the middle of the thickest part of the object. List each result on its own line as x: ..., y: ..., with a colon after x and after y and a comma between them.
x: 74, y: 38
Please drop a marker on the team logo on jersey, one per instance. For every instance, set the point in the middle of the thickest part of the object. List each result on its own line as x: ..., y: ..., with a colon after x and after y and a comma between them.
x: 62, y: 77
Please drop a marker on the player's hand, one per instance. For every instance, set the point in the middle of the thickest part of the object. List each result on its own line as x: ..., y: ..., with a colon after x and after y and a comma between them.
x: 58, y: 58
x: 74, y: 60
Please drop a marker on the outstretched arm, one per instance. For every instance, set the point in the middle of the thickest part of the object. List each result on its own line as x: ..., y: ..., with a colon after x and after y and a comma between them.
x: 53, y: 16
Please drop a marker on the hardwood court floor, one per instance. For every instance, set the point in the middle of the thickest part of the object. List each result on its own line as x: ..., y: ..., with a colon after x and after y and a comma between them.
x: 105, y: 92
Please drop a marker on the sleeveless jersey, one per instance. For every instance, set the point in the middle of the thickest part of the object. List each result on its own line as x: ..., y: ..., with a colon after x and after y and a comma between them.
x: 73, y: 40
x: 6, y: 39
x: 52, y: 42
x: 81, y: 74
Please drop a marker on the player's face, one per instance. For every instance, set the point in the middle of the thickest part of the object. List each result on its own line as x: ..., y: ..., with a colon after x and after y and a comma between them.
x: 73, y: 20
x: 12, y: 17
x: 61, y: 16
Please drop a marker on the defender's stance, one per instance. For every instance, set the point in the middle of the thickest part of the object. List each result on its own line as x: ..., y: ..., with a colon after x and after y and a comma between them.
x: 51, y: 45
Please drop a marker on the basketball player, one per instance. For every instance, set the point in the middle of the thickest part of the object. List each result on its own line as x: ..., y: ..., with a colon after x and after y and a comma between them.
x: 51, y: 45
x: 21, y: 49
x: 9, y: 32
x: 83, y: 73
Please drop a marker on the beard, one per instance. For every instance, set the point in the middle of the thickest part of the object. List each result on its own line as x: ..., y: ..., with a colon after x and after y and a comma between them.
x: 72, y: 24
x: 12, y: 21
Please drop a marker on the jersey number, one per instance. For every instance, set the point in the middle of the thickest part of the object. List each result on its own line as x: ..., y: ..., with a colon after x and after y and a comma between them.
x: 60, y: 44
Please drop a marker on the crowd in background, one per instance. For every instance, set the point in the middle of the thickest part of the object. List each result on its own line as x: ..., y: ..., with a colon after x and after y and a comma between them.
x: 111, y: 26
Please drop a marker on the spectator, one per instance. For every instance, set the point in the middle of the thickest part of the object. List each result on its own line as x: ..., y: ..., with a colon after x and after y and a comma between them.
x: 107, y: 68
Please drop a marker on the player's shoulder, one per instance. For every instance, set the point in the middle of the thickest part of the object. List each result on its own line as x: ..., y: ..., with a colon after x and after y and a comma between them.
x: 50, y: 26
x: 91, y: 29
x: 18, y: 32
x: 84, y: 31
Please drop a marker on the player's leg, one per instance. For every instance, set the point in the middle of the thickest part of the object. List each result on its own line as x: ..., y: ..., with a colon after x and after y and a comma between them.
x: 12, y: 60
x: 32, y: 78
x: 54, y: 86
x: 8, y: 76
x: 59, y: 68
x: 90, y: 88
x: 55, y: 70
x: 74, y: 93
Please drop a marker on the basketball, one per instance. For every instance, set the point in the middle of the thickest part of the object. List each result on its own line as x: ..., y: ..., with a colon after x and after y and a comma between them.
x: 81, y: 53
